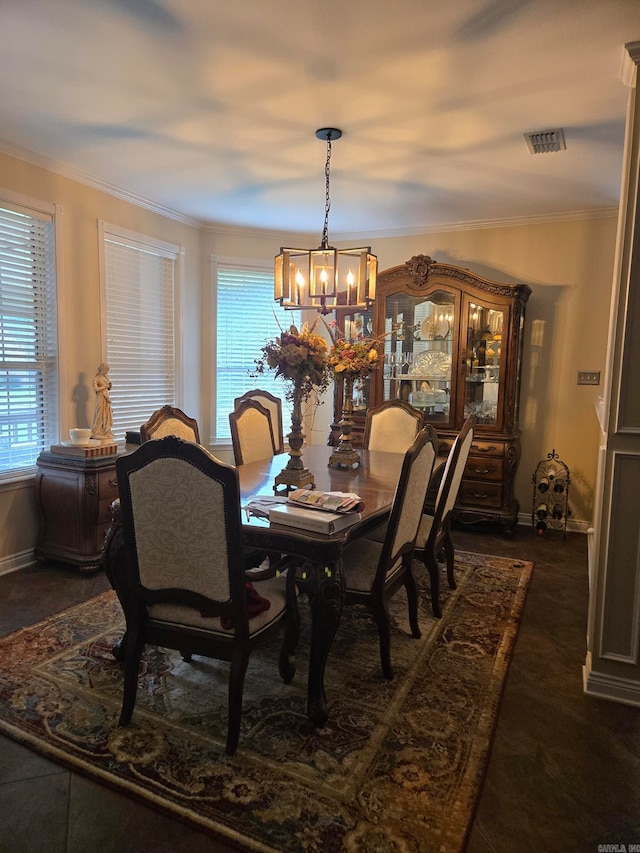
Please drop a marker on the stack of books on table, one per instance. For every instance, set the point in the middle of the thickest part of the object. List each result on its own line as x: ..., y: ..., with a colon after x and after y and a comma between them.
x: 317, y: 512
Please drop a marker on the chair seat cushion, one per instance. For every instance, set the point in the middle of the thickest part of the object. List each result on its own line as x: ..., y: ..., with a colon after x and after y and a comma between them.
x: 273, y: 589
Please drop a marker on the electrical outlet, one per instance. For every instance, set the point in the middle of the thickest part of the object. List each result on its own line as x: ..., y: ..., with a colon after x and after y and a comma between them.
x: 588, y: 377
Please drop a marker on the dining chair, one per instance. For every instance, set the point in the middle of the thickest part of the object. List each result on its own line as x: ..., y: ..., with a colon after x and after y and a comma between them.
x: 251, y: 432
x: 374, y: 571
x: 391, y: 426
x: 186, y: 588
x: 170, y: 420
x: 434, y: 533
x: 274, y: 405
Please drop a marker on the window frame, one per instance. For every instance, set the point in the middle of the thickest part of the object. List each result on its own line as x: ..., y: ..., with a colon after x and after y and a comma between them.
x: 288, y: 317
x: 40, y: 209
x: 145, y: 243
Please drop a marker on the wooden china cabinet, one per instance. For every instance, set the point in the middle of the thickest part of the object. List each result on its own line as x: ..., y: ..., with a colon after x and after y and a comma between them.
x: 452, y: 347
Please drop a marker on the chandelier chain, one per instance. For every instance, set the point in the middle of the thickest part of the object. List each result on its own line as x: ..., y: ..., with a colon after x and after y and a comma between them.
x: 327, y: 199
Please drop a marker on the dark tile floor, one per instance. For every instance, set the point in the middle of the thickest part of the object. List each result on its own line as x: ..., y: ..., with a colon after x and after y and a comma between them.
x: 564, y: 771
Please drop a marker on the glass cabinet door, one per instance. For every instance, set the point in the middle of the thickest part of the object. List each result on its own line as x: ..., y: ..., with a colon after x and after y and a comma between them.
x: 418, y: 348
x: 483, y: 363
x: 356, y: 326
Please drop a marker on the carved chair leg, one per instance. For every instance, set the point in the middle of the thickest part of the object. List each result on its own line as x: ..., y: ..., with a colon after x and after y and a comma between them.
x: 431, y: 564
x: 450, y: 553
x: 134, y: 649
x: 237, y: 672
x: 412, y: 599
x: 381, y: 615
x: 287, y: 661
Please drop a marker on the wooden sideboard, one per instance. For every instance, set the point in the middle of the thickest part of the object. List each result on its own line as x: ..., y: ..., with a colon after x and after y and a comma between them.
x: 74, y: 496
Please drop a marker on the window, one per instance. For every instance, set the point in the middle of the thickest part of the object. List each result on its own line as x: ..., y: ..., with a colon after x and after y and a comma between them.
x: 28, y: 336
x: 140, y: 283
x: 247, y: 317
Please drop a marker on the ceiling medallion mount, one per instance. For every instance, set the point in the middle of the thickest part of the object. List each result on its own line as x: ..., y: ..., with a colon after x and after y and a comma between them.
x: 328, y: 134
x: 325, y: 278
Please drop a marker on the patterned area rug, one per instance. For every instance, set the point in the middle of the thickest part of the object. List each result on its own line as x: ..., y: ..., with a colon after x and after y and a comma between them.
x: 398, y: 766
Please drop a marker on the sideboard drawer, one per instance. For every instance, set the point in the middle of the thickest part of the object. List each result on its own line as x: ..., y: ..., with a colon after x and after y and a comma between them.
x: 107, y: 493
x: 478, y: 493
x: 487, y: 448
x: 488, y: 468
x: 478, y: 448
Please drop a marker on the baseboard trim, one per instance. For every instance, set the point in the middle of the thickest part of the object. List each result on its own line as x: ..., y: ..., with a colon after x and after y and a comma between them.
x: 18, y: 561
x: 614, y: 689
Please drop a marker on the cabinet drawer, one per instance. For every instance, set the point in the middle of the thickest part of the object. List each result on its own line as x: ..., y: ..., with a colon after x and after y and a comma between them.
x: 107, y: 493
x: 108, y: 485
x: 487, y: 448
x: 480, y: 494
x: 487, y: 468
x: 478, y: 448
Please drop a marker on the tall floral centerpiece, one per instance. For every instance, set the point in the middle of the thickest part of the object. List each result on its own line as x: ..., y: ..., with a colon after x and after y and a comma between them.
x: 300, y: 358
x: 350, y: 360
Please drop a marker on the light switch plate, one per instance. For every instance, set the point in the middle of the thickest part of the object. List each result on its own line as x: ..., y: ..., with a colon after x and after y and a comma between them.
x: 588, y: 377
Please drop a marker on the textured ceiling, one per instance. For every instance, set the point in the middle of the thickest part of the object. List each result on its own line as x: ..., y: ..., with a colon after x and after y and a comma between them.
x: 209, y: 108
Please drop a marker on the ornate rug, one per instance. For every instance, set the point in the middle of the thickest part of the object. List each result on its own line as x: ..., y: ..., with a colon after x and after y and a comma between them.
x: 398, y: 767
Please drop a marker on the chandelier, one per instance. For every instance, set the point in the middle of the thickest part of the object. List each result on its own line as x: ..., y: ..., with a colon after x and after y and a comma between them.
x: 325, y: 278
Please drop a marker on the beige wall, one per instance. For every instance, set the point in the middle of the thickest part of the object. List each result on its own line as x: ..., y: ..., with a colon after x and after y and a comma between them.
x: 568, y: 265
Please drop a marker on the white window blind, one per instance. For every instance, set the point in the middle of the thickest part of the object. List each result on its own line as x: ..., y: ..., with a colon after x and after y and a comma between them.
x: 140, y: 316
x: 28, y: 343
x: 247, y: 317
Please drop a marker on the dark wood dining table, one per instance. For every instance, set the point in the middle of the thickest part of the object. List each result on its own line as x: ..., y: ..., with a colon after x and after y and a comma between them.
x: 374, y: 480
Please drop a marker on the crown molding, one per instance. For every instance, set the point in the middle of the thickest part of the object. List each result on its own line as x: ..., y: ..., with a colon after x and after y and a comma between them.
x: 278, y: 235
x: 474, y: 225
x: 254, y: 231
x: 72, y: 174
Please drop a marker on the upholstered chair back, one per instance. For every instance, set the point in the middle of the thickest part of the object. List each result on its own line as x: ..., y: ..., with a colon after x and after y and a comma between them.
x: 274, y: 406
x: 452, y: 477
x: 392, y: 426
x: 251, y: 433
x: 181, y: 529
x: 410, y: 495
x: 170, y: 421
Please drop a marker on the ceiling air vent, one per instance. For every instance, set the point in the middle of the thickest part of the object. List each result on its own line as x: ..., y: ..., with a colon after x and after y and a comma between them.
x: 544, y: 141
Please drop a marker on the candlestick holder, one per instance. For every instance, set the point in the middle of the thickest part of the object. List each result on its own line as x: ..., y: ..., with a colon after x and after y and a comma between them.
x: 294, y: 475
x: 345, y: 456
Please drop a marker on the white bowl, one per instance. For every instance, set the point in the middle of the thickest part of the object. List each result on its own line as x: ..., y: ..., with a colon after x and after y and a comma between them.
x: 79, y: 436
